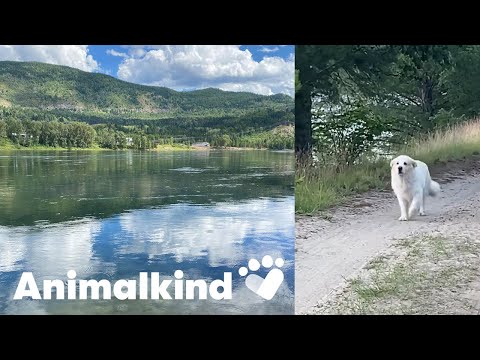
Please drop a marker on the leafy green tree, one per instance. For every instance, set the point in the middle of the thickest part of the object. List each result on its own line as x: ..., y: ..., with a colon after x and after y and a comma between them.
x: 3, y: 129
x: 329, y: 73
x: 345, y: 135
x: 120, y: 140
x: 224, y: 140
x: 461, y: 89
x: 14, y: 129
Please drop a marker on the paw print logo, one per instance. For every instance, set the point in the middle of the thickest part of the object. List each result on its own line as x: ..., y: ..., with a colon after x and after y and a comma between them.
x: 266, y: 288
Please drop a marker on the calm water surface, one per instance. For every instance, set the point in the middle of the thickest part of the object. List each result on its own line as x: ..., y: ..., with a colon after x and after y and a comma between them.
x: 110, y: 215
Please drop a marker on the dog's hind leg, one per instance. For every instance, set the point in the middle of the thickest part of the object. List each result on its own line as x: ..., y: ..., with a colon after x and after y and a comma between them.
x: 417, y: 203
x: 421, y: 212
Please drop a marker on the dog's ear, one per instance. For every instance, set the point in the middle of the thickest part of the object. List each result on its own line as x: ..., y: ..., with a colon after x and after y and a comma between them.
x: 414, y: 163
x: 392, y: 162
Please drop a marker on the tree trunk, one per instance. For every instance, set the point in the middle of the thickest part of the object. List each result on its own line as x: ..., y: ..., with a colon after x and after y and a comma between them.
x: 303, y: 121
x: 426, y: 96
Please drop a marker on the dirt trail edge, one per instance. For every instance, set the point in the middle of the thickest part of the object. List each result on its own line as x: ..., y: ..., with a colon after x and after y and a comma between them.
x: 330, y: 251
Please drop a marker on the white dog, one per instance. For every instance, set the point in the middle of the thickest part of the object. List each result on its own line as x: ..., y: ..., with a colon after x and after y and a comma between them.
x: 411, y: 183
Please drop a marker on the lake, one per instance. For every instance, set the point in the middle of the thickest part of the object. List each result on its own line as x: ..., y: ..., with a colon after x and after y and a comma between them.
x: 113, y: 214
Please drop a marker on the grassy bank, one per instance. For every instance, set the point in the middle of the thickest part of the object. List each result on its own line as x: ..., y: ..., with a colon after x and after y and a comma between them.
x: 8, y: 146
x: 174, y: 147
x: 11, y: 147
x: 318, y: 188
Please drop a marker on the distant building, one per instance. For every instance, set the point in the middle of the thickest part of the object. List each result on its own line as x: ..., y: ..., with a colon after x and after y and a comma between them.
x: 201, y: 144
x: 129, y: 141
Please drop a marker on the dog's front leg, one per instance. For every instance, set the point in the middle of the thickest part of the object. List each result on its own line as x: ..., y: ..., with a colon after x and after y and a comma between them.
x: 403, y: 209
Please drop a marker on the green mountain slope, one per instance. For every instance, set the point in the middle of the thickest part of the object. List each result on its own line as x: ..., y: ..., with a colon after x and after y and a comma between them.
x: 54, y: 87
x: 40, y: 104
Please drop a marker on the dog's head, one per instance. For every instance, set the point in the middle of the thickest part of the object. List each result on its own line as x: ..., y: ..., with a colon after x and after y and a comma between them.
x: 402, y: 165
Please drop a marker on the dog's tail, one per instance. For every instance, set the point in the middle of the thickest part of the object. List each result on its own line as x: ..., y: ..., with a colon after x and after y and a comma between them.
x: 434, y: 188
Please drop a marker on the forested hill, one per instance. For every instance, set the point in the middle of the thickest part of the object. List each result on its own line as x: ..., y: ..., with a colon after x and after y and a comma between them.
x: 43, y: 104
x: 55, y: 87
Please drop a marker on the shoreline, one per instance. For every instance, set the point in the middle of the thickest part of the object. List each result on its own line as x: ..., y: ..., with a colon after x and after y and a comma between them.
x: 48, y: 148
x: 163, y: 149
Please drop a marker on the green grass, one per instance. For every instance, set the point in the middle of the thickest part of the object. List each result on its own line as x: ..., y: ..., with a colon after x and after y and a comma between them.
x: 174, y: 147
x: 8, y: 145
x: 319, y: 188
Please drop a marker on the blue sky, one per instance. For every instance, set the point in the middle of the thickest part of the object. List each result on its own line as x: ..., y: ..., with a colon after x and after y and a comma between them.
x: 263, y: 69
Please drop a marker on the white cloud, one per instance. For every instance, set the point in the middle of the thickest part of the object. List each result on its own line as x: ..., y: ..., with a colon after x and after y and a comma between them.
x: 137, y: 52
x: 51, y: 251
x: 268, y: 49
x: 11, y: 250
x: 114, y: 52
x: 76, y: 56
x: 188, y: 67
x: 202, y: 232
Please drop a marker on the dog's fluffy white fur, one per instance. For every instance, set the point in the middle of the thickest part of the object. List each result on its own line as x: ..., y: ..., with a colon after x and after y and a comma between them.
x: 411, y: 183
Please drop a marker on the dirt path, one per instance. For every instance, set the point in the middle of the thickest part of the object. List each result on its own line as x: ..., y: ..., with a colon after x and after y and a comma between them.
x: 336, y: 258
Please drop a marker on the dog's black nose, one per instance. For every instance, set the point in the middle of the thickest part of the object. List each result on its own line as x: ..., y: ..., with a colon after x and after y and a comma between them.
x: 400, y: 169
